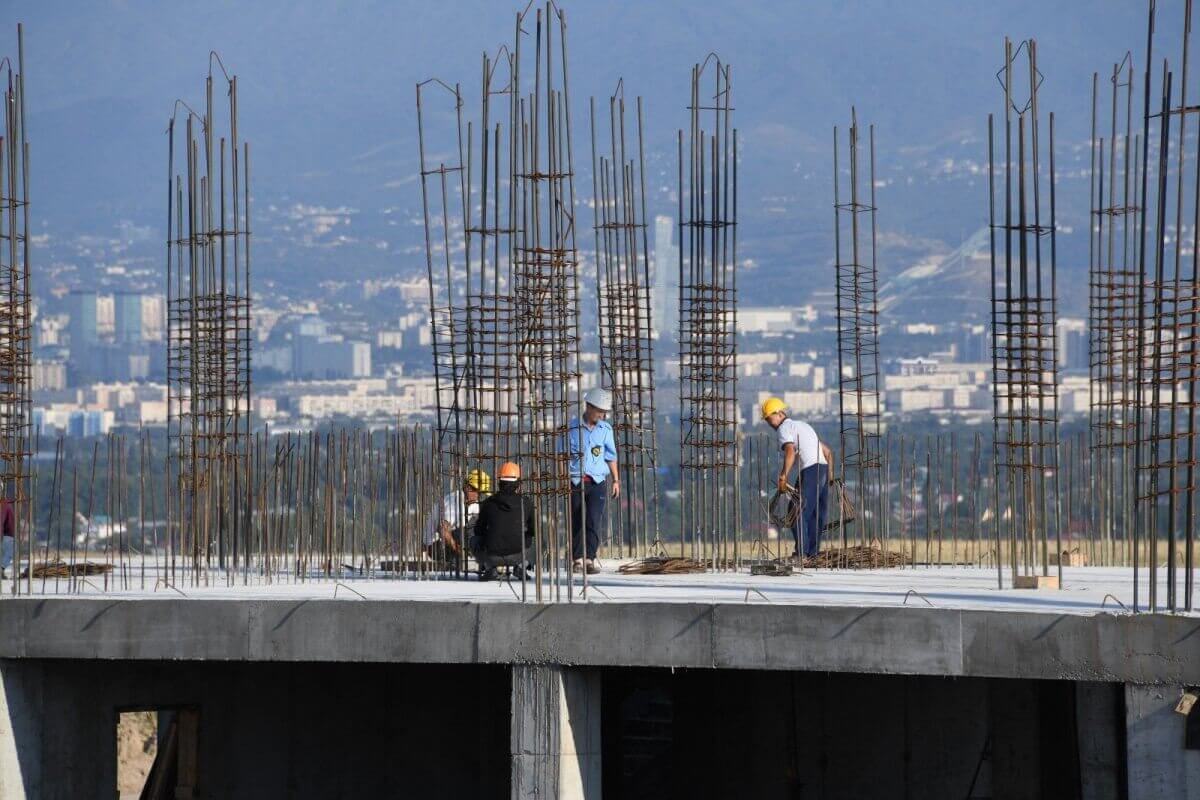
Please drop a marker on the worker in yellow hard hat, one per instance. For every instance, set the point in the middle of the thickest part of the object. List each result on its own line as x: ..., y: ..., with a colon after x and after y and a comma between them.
x: 504, y: 529
x: 800, y: 443
x: 445, y: 536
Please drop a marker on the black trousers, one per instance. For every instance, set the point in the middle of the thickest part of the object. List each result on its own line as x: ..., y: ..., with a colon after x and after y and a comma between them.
x: 596, y: 497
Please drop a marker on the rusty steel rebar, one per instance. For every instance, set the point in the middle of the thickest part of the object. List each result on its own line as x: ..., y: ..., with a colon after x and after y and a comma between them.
x: 16, y: 313
x: 1113, y: 283
x: 856, y: 280
x: 1024, y: 324
x: 624, y: 315
x: 1168, y: 305
x: 709, y: 438
x: 208, y: 328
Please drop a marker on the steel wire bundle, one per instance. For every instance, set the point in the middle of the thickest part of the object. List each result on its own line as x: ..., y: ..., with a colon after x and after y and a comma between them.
x: 855, y: 557
x: 663, y: 565
x: 61, y: 569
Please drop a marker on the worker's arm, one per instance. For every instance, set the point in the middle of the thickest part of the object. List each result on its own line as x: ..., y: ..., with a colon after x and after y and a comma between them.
x: 789, y: 458
x: 610, y: 457
x: 527, y: 505
x: 828, y: 459
x: 448, y: 536
x: 482, y: 522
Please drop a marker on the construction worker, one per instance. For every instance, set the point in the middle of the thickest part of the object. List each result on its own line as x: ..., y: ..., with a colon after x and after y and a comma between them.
x: 594, y: 476
x: 800, y: 443
x: 504, y: 528
x: 446, y: 534
x: 8, y: 532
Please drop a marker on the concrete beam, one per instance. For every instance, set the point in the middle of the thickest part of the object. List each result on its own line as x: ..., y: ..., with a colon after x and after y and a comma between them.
x: 1145, y: 649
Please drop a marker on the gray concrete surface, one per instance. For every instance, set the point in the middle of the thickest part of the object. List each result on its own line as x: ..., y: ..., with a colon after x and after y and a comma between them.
x: 1143, y: 649
x: 1156, y: 760
x: 555, y: 733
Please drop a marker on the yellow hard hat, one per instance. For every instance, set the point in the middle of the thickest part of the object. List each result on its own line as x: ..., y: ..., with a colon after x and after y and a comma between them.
x: 772, y: 405
x: 479, y: 480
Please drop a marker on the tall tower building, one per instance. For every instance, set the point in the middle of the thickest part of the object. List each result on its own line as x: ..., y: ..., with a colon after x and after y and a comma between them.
x: 666, y: 277
x: 81, y: 305
x: 127, y: 317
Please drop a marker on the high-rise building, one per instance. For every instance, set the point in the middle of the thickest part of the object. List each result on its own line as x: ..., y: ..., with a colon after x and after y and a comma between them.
x: 666, y: 277
x: 81, y: 305
x: 127, y: 317
x: 1072, y: 344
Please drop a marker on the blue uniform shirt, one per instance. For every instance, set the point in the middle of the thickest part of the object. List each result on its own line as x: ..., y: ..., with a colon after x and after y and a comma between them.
x: 599, y: 447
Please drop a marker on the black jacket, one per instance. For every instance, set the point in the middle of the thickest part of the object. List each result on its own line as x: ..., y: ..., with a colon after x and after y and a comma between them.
x: 500, y: 521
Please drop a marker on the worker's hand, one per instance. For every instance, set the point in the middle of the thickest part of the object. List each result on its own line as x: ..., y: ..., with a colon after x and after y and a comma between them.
x: 782, y: 483
x: 448, y: 538
x: 616, y: 487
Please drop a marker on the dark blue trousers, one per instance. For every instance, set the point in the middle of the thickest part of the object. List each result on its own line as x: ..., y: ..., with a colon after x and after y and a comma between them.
x: 814, y: 488
x: 596, y: 496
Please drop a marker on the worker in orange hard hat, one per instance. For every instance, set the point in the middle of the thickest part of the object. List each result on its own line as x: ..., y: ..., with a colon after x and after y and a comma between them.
x: 800, y: 443
x: 504, y: 528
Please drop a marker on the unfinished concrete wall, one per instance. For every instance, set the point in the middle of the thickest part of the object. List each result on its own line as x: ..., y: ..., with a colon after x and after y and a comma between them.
x: 1159, y: 765
x: 267, y: 730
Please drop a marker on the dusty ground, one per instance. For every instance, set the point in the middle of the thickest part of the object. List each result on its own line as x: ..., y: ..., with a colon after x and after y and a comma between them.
x: 137, y: 744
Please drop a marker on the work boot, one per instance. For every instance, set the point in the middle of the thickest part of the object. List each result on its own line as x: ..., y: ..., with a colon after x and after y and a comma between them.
x: 592, y: 569
x: 577, y: 566
x: 518, y: 573
x: 491, y: 574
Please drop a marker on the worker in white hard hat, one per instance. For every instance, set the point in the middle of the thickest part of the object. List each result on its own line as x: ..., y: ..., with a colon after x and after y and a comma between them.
x: 800, y: 443
x: 594, y: 476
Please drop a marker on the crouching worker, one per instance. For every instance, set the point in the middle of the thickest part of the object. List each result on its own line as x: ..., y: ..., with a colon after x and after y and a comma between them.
x: 447, y: 532
x: 504, y: 528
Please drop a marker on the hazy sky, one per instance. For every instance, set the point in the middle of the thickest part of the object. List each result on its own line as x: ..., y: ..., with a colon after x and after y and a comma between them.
x: 327, y: 87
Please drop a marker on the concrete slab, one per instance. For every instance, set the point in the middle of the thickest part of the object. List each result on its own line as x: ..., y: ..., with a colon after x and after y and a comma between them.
x: 1145, y: 649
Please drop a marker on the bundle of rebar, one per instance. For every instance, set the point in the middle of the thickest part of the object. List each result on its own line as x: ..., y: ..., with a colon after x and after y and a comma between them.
x: 208, y: 320
x: 663, y: 565
x: 16, y: 310
x: 61, y: 569
x: 1024, y: 323
x: 855, y: 557
x: 626, y: 330
x: 858, y: 330
x: 709, y: 438
x: 1113, y: 306
x: 1168, y: 314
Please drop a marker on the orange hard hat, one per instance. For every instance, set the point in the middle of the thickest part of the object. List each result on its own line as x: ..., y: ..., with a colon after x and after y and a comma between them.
x: 509, y: 472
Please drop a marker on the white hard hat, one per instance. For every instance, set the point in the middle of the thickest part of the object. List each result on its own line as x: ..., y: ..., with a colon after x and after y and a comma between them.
x: 600, y: 398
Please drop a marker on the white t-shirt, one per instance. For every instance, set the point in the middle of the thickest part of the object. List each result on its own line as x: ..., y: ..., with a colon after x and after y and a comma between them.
x: 452, y: 509
x: 802, y: 435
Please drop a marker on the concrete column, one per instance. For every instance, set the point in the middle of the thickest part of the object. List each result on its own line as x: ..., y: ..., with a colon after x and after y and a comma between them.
x: 555, y: 733
x: 20, y: 730
x: 1158, y: 765
x: 1098, y: 710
